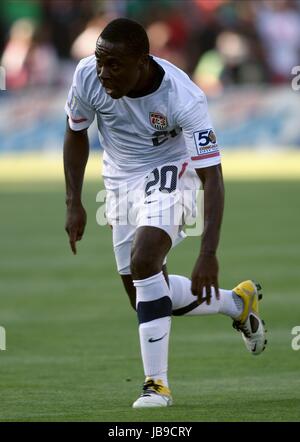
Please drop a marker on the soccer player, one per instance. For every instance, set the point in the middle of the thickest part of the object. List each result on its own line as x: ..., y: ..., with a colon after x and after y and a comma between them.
x: 157, y: 138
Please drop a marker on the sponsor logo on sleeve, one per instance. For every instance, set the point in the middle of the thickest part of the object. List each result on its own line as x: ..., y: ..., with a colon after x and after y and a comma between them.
x: 212, y: 136
x: 206, y: 144
x: 158, y: 121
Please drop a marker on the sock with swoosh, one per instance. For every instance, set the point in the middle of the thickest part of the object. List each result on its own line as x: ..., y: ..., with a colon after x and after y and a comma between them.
x: 154, y: 308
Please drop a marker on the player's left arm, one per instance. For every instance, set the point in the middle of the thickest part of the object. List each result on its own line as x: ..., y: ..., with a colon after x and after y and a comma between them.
x: 204, y: 152
x: 205, y: 273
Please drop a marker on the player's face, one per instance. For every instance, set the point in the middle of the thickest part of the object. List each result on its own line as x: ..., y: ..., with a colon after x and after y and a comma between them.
x: 117, y: 70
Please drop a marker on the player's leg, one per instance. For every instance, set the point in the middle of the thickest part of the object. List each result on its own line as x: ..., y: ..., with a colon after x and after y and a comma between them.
x: 154, y: 309
x: 122, y: 237
x: 131, y: 290
x: 240, y: 304
x: 184, y: 303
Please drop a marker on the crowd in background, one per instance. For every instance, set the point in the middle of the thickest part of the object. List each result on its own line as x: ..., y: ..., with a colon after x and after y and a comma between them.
x: 217, y: 42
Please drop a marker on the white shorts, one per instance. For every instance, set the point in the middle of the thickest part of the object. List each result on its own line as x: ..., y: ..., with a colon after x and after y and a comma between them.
x: 165, y: 198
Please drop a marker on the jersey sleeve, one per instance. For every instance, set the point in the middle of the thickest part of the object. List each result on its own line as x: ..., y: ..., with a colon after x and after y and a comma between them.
x: 80, y: 112
x: 199, y: 134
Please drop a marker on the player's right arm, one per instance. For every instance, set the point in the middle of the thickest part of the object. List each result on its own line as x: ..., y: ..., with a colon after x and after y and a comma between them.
x: 80, y: 115
x: 76, y: 153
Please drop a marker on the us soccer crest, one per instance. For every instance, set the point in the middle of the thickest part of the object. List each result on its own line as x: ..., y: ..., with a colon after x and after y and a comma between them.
x: 158, y: 120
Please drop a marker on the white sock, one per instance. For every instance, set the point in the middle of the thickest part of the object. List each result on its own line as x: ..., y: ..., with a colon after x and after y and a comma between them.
x: 154, y: 308
x: 155, y: 354
x: 185, y: 303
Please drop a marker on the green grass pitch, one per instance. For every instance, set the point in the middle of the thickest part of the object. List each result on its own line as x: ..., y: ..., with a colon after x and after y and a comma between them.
x: 72, y: 344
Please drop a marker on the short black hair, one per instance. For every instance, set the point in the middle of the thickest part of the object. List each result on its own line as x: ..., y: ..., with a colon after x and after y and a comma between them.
x: 129, y: 32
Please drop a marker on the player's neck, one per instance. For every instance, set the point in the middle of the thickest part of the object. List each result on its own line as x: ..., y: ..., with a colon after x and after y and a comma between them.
x: 150, y: 80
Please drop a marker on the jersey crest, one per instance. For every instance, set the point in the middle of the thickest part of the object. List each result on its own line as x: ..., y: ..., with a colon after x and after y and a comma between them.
x: 158, y: 121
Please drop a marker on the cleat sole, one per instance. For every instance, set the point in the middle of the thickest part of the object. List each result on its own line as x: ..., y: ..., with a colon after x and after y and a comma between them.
x: 258, y: 286
x: 258, y: 289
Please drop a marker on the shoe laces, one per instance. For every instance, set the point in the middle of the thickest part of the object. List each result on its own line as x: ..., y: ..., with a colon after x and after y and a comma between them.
x: 242, y: 328
x: 150, y: 386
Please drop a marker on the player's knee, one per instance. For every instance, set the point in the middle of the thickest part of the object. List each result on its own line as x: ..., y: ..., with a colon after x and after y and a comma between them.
x: 144, y: 264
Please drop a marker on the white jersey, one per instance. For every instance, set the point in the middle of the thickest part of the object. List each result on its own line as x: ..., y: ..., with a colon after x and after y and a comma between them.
x: 139, y: 134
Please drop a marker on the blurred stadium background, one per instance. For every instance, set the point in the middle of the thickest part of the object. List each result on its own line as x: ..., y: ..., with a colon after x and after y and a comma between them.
x: 66, y: 358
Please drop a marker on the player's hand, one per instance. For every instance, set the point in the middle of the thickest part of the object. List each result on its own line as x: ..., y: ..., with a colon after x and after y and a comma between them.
x: 205, y: 276
x: 75, y: 224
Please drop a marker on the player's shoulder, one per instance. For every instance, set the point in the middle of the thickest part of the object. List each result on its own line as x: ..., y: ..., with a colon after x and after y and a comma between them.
x: 85, y: 79
x: 180, y: 84
x: 86, y: 69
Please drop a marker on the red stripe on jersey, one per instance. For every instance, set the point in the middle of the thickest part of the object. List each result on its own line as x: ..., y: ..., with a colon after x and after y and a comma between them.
x: 208, y: 155
x: 184, y: 166
x: 80, y: 120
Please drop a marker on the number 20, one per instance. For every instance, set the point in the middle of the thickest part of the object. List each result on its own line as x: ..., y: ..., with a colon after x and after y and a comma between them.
x: 163, y: 178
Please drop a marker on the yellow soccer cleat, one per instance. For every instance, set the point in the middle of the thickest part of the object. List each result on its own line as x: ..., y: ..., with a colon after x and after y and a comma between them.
x: 249, y: 323
x: 154, y: 394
